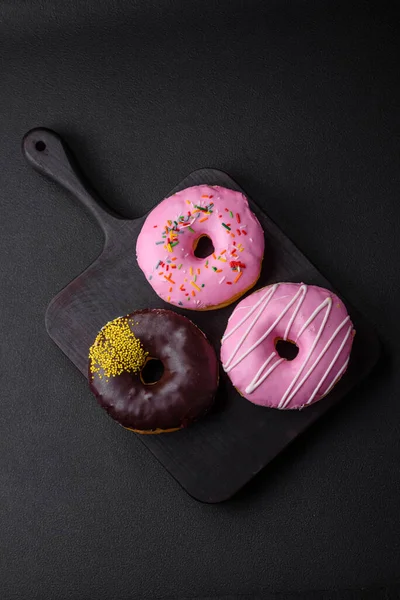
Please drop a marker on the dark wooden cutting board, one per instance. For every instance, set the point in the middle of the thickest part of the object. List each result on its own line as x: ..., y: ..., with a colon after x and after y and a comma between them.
x: 215, y: 457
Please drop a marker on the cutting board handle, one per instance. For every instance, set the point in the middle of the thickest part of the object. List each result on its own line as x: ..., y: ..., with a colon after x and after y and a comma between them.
x: 48, y: 154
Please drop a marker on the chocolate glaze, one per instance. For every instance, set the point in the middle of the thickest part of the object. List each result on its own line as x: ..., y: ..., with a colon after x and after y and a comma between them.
x: 187, y: 387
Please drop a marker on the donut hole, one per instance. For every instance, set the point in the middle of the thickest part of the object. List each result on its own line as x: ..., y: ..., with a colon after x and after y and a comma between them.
x: 152, y: 371
x: 286, y: 349
x: 203, y: 246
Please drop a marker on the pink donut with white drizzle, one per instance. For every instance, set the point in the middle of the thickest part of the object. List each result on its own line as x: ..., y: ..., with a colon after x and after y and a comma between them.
x: 313, y: 319
x: 168, y: 240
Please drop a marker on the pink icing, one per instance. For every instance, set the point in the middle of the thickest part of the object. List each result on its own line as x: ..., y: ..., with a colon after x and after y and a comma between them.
x: 312, y: 317
x: 171, y: 267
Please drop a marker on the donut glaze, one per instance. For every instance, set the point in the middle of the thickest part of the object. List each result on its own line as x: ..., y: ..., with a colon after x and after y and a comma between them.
x: 313, y: 318
x: 166, y: 245
x: 187, y: 386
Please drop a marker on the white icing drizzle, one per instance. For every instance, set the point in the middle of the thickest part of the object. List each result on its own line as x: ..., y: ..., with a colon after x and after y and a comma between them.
x: 338, y: 376
x: 258, y: 379
x: 346, y: 337
x: 261, y: 374
x: 296, y: 310
x: 307, y: 375
x: 263, y: 302
x: 269, y: 292
x: 229, y: 366
x: 328, y: 304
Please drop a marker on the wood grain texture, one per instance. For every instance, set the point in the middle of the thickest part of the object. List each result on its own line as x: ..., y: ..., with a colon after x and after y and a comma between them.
x: 217, y: 456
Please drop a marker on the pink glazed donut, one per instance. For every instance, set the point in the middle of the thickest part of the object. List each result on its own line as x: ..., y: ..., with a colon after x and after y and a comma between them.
x: 168, y: 240
x: 312, y: 318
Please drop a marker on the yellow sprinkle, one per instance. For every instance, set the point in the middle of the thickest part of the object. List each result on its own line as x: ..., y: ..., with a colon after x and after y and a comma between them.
x: 169, y: 247
x: 195, y: 286
x: 191, y: 270
x: 222, y: 259
x: 116, y: 350
x: 169, y: 298
x: 188, y: 202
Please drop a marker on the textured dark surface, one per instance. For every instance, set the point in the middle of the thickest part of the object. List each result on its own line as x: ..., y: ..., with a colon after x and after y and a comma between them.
x: 298, y: 102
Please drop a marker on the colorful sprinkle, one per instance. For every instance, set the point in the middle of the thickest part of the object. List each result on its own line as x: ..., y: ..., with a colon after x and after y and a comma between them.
x: 238, y: 218
x: 191, y: 229
x: 198, y: 271
x: 231, y: 214
x: 238, y: 276
x: 226, y: 226
x: 203, y: 219
x: 195, y: 286
x: 214, y: 268
x: 191, y: 270
x: 180, y: 266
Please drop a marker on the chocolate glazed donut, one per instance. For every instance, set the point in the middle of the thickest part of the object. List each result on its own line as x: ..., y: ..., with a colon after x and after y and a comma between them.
x: 186, y: 388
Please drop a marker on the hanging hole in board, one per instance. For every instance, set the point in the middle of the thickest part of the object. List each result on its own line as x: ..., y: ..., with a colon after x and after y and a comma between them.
x: 40, y: 146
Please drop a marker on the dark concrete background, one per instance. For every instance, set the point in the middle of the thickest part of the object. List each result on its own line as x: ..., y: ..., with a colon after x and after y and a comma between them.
x: 298, y: 101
